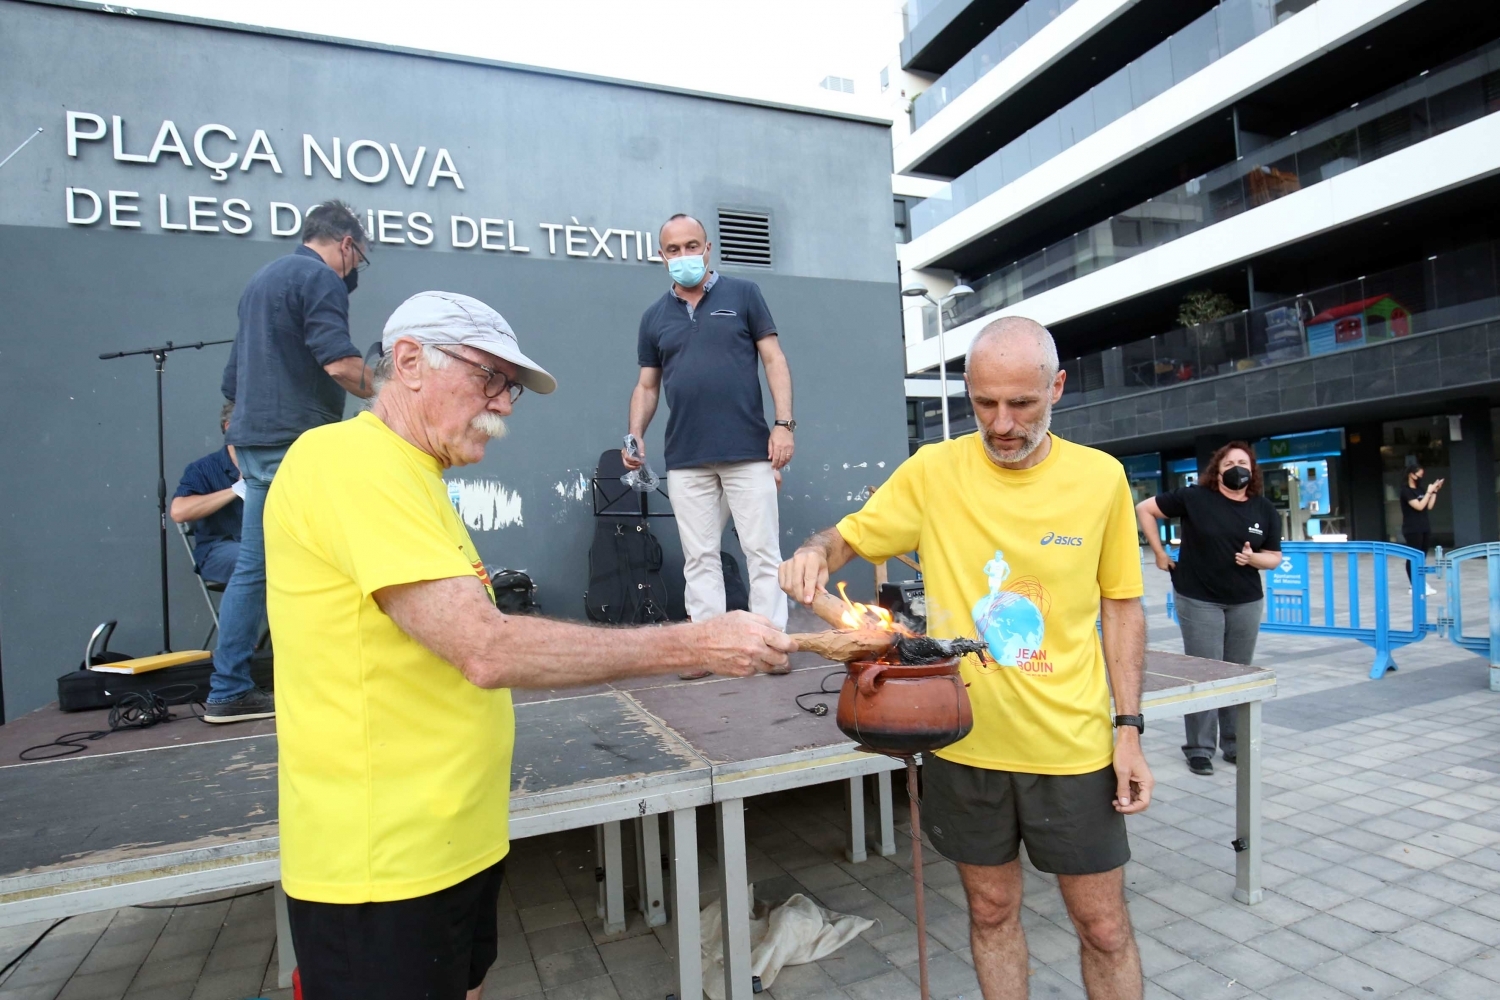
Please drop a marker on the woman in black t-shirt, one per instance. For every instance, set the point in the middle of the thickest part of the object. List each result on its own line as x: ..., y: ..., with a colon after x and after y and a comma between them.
x: 1230, y: 532
x: 1416, y: 501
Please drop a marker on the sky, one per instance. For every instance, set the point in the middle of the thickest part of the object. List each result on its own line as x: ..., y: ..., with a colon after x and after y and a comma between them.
x: 769, y: 49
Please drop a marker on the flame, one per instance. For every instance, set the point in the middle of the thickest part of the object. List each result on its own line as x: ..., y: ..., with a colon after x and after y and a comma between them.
x: 857, y: 615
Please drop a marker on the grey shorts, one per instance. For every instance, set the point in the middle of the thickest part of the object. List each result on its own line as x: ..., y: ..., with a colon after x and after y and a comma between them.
x: 976, y: 816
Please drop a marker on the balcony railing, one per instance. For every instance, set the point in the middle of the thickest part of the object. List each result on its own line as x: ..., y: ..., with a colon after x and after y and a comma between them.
x: 915, y: 10
x: 1459, y: 92
x: 1443, y: 291
x: 1202, y: 43
x: 1011, y: 35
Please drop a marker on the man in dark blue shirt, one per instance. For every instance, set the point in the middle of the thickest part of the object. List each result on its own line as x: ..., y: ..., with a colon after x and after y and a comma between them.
x: 703, y: 342
x: 289, y: 370
x: 206, y: 496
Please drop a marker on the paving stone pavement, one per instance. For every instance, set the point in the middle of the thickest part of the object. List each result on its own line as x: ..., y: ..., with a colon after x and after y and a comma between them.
x: 1382, y: 874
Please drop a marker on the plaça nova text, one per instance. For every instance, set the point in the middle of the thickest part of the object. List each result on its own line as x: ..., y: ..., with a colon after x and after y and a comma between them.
x: 366, y: 161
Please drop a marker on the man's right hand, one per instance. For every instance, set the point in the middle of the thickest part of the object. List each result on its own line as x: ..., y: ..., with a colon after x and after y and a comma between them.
x: 806, y: 573
x: 739, y: 644
x: 1165, y: 563
x: 637, y: 460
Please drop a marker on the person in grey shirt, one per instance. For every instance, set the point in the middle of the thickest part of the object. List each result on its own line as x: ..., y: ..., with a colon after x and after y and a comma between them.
x: 290, y: 370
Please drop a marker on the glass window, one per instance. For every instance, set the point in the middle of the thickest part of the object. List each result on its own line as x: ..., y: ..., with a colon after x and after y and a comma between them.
x: 1195, y: 46
x: 1150, y: 75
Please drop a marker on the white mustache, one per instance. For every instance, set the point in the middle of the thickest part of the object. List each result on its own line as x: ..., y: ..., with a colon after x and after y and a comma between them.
x: 491, y: 425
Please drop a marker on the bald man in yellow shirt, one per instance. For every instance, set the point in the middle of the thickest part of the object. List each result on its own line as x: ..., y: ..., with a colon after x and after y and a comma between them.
x: 1026, y: 540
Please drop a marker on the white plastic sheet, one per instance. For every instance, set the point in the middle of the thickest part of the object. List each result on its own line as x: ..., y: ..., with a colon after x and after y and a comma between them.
x: 791, y: 933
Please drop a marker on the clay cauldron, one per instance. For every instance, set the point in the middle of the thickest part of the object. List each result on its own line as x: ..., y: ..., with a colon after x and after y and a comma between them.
x: 900, y: 709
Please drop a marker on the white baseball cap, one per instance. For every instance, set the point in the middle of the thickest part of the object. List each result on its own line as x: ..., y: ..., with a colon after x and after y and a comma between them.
x: 449, y: 318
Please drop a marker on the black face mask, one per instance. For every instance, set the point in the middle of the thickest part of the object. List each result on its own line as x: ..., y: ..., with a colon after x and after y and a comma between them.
x: 351, y: 280
x: 1235, y: 478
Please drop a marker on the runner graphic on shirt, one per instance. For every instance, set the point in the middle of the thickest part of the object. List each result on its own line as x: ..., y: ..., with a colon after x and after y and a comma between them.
x: 1011, y: 618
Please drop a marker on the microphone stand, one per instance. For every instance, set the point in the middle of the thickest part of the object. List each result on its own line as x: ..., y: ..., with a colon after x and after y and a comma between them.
x: 159, y: 355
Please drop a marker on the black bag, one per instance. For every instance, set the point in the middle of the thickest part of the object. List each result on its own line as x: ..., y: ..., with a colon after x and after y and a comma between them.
x: 736, y: 595
x: 515, y: 594
x: 84, y: 690
x: 625, y: 582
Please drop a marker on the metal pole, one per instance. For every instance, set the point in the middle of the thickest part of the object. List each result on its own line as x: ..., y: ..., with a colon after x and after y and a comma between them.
x: 942, y: 366
x: 916, y: 871
x: 161, y: 503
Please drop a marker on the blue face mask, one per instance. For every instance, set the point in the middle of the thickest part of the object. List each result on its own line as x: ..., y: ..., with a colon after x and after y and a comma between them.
x: 686, y: 270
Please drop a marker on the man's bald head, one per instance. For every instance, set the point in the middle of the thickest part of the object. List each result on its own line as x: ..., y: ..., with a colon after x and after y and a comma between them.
x: 1015, y: 340
x: 683, y: 220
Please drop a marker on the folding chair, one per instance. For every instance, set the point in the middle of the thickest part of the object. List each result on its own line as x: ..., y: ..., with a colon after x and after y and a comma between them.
x: 186, y: 533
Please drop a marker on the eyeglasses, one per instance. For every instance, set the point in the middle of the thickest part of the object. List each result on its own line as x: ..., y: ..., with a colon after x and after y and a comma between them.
x: 495, y: 383
x: 364, y: 260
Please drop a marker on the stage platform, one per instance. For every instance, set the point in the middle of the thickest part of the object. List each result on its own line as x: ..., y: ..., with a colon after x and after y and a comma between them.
x: 187, y: 807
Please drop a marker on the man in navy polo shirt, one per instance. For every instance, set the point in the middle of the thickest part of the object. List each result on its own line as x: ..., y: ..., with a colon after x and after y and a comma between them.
x: 701, y: 342
x: 289, y: 371
x: 207, y: 497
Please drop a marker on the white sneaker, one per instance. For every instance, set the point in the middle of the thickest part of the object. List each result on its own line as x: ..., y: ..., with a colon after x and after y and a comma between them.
x: 1430, y: 592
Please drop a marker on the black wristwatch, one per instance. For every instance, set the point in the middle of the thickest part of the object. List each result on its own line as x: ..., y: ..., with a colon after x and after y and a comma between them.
x: 1138, y: 721
x: 790, y: 425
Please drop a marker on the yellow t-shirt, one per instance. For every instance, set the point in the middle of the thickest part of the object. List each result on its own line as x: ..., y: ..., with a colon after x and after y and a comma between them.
x: 1020, y: 560
x: 395, y: 770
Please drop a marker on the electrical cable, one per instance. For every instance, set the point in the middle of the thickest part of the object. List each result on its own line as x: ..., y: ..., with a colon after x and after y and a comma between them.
x: 134, y: 710
x: 17, y: 960
x: 201, y: 902
x: 819, y: 708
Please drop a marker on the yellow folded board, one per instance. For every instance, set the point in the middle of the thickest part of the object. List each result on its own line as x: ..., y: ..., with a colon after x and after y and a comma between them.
x: 146, y: 664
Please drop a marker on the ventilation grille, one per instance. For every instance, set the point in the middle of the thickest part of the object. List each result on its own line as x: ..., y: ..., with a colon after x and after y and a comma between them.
x: 745, y: 238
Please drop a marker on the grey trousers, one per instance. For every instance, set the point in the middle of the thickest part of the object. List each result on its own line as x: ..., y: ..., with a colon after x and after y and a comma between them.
x: 1218, y: 632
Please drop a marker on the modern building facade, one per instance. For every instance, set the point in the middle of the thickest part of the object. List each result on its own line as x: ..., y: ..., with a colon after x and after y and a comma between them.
x: 1263, y: 219
x: 169, y: 159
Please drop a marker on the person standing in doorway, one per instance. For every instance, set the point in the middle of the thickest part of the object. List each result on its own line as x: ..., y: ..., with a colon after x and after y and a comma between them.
x: 703, y: 342
x: 290, y: 369
x: 1230, y: 532
x: 1417, y: 500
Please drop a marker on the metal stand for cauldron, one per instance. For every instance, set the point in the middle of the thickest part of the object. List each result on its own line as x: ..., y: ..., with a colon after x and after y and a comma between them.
x: 916, y: 867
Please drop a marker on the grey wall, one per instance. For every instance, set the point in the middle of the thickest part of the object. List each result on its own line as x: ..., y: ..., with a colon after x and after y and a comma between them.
x: 77, y: 460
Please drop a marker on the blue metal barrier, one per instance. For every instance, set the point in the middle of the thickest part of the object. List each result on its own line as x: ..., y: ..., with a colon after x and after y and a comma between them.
x: 1451, y: 622
x: 1289, y: 593
x: 1289, y: 609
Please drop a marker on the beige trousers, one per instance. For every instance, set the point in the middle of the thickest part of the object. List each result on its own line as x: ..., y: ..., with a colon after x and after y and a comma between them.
x: 699, y: 496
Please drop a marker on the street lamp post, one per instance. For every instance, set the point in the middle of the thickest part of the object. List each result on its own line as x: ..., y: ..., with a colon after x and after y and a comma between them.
x: 958, y: 292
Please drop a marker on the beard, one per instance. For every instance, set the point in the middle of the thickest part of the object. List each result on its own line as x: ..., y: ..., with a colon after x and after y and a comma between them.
x: 1034, y: 434
x: 491, y: 425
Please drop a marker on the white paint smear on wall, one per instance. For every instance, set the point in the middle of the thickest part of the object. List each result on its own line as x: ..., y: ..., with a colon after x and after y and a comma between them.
x: 484, y: 504
x: 575, y: 490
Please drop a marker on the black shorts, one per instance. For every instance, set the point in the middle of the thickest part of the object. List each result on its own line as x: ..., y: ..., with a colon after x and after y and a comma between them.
x: 433, y: 947
x: 976, y: 816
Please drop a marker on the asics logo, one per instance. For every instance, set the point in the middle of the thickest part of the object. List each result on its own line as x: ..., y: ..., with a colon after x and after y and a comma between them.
x: 1053, y: 538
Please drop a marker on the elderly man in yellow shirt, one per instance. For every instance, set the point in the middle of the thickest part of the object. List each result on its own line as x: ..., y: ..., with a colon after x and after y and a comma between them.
x: 1026, y: 540
x: 394, y: 667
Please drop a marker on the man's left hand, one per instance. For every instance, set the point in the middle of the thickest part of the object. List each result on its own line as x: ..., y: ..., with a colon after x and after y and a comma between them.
x: 1133, y: 778
x: 781, y: 448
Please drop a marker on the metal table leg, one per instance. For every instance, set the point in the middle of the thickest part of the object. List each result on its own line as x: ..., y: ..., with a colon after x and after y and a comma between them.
x: 1247, y: 805
x: 854, y: 807
x: 648, y: 870
x: 286, y: 955
x: 887, y: 845
x: 734, y: 896
x: 611, y: 908
x: 685, y: 904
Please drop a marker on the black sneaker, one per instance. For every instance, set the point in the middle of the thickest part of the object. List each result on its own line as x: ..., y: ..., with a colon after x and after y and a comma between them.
x: 253, y: 704
x: 1200, y: 765
x: 1230, y: 757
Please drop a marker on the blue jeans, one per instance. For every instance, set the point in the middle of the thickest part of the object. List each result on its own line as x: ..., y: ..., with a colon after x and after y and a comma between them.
x: 216, y: 560
x: 243, y: 606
